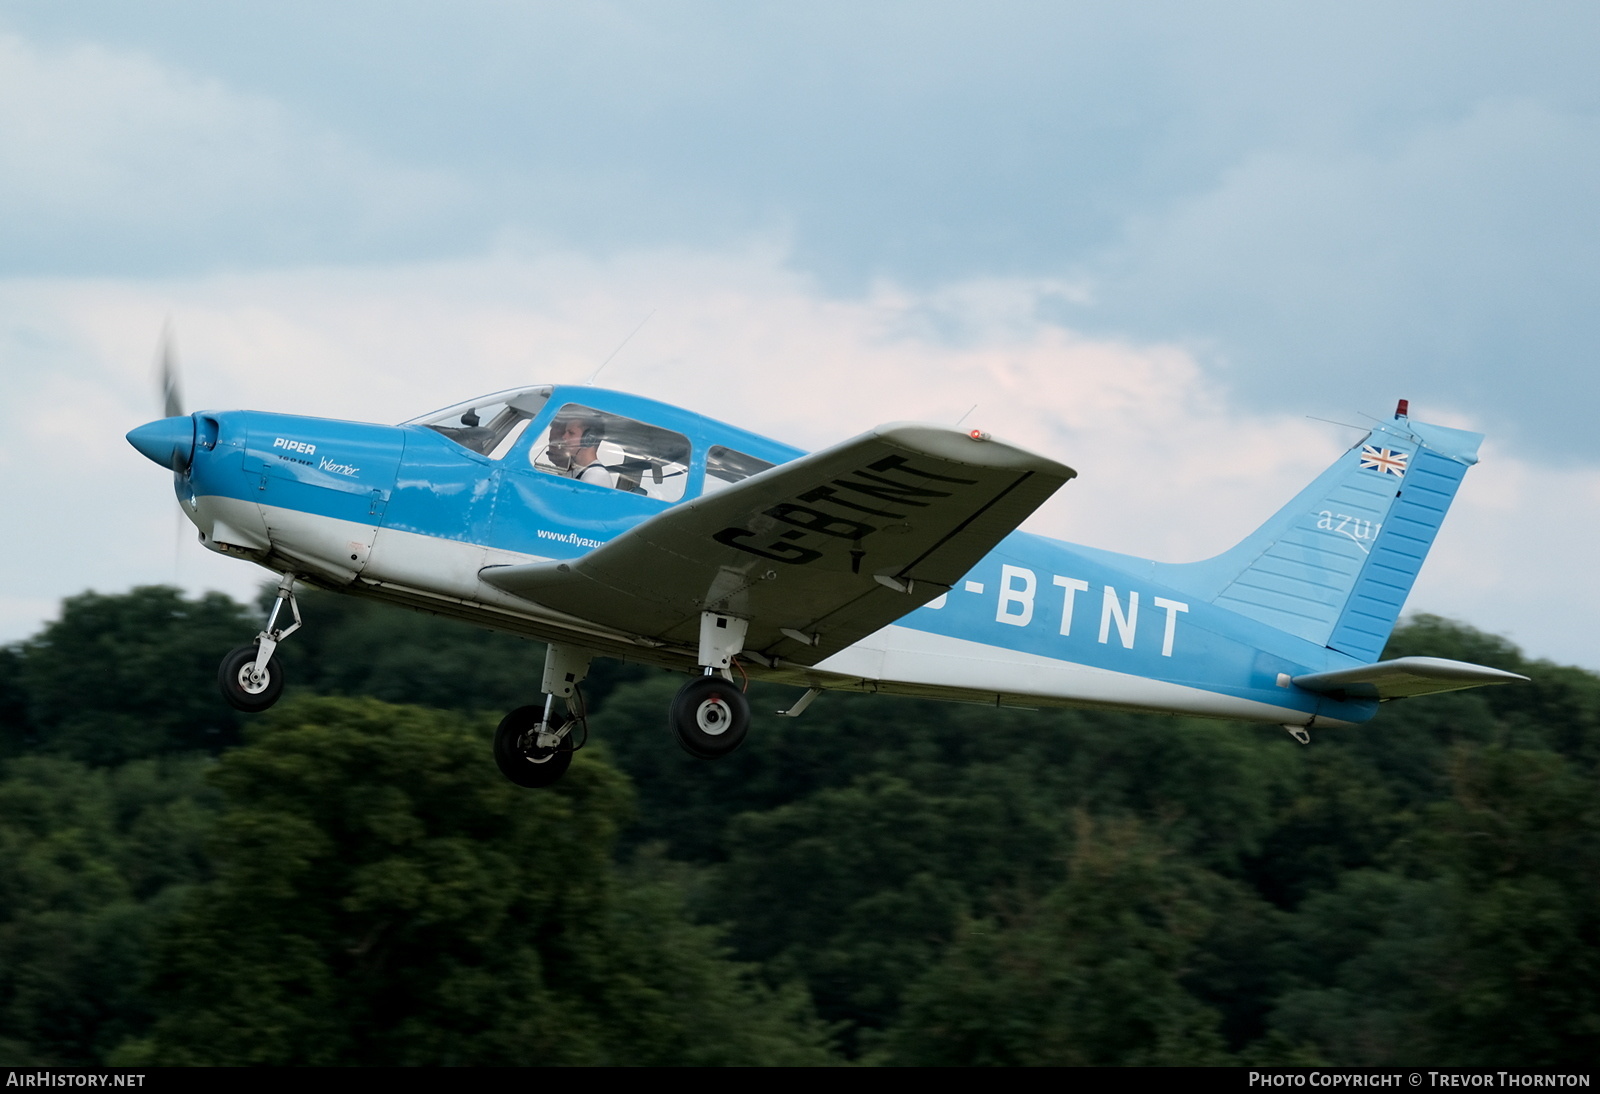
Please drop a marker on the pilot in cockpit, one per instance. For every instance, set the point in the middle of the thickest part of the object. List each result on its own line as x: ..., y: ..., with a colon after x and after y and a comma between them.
x: 575, y: 449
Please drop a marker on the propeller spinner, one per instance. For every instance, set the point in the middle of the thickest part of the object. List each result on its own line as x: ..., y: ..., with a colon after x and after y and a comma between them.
x: 168, y: 441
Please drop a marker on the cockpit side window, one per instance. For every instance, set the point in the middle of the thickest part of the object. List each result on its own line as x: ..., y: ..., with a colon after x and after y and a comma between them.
x: 605, y: 449
x: 725, y: 466
x: 490, y: 426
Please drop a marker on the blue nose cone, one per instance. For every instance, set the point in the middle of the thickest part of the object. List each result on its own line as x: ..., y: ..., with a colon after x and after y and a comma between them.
x: 169, y: 441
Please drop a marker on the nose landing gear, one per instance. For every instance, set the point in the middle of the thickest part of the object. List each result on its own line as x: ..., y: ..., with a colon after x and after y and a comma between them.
x: 248, y: 679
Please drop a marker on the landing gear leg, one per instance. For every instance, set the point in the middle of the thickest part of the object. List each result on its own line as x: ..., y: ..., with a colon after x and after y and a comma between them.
x: 710, y: 717
x: 248, y: 679
x: 533, y: 744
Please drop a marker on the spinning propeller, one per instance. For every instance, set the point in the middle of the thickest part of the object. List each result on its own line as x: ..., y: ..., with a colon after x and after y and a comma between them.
x: 169, y: 440
x: 167, y: 374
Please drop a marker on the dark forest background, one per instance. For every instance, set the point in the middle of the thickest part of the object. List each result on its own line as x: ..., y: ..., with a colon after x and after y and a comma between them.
x: 347, y: 879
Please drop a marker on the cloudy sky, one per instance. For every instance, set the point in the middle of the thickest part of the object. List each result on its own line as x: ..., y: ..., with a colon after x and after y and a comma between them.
x: 1168, y: 244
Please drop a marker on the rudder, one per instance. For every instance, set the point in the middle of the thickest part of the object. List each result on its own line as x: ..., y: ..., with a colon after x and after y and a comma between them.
x: 1402, y: 543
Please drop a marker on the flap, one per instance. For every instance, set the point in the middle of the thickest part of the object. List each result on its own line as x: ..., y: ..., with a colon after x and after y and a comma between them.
x: 816, y: 553
x: 1405, y: 676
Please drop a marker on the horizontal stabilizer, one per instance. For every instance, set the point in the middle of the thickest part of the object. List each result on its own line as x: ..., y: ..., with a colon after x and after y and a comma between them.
x: 1405, y: 676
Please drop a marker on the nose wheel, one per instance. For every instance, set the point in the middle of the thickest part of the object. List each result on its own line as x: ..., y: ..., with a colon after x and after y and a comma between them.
x: 243, y: 687
x: 249, y: 679
x: 709, y: 717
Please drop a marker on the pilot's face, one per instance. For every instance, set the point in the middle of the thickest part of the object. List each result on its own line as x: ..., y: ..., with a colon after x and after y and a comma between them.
x: 565, y: 444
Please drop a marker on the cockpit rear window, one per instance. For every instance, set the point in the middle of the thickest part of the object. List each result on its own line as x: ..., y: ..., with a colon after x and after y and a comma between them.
x: 491, y: 425
x: 609, y: 450
x: 726, y: 466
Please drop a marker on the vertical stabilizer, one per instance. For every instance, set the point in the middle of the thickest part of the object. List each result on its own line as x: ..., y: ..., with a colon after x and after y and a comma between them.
x: 1335, y: 565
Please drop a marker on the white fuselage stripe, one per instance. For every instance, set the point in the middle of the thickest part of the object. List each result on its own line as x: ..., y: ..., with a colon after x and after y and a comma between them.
x: 928, y: 663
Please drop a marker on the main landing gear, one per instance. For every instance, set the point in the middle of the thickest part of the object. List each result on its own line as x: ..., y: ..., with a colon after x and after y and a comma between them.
x: 248, y: 678
x: 709, y: 717
x: 533, y: 745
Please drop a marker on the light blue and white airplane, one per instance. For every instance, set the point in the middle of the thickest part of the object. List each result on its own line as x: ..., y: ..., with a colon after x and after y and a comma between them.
x: 605, y: 523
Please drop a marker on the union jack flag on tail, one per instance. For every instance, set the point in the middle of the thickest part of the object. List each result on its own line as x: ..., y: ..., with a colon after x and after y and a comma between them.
x: 1385, y: 461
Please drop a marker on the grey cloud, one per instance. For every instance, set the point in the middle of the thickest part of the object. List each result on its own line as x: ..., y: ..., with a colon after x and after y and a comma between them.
x: 1336, y: 203
x: 1456, y: 270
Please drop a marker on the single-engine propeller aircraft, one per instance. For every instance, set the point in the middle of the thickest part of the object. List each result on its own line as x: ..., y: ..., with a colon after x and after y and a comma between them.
x: 608, y: 524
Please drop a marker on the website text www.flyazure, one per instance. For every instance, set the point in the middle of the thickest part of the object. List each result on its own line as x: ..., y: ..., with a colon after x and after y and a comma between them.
x: 568, y: 537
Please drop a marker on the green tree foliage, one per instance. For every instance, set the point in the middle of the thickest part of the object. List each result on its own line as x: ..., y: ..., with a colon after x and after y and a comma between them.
x: 872, y: 879
x: 1355, y: 967
x: 1484, y: 950
x: 1090, y: 974
x: 1463, y: 927
x: 1518, y: 853
x: 944, y: 883
x: 850, y: 845
x: 92, y: 861
x: 851, y: 842
x: 383, y: 896
x: 122, y: 677
x: 15, y: 733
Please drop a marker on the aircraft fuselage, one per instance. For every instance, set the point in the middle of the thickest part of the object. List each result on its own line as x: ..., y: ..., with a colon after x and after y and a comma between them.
x: 408, y: 515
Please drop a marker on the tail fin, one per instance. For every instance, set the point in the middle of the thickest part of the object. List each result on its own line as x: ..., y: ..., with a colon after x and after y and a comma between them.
x: 1335, y: 565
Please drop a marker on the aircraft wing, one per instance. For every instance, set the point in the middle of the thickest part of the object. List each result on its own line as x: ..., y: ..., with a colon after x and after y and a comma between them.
x: 1404, y: 677
x: 816, y: 553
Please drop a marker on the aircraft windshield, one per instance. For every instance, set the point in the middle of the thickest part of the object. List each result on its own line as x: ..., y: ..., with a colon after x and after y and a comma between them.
x: 609, y: 450
x: 490, y: 425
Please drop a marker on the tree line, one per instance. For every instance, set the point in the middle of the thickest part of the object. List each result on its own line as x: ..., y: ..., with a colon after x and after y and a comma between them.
x: 347, y: 879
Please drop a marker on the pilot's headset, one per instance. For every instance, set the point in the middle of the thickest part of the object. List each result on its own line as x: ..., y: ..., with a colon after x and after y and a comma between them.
x: 594, y: 430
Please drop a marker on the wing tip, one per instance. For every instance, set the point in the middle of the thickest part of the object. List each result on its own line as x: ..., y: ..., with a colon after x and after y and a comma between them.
x: 974, y: 447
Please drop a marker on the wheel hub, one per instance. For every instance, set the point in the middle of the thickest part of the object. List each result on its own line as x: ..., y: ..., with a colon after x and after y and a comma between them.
x: 528, y: 748
x: 713, y: 717
x: 532, y: 743
x: 248, y: 682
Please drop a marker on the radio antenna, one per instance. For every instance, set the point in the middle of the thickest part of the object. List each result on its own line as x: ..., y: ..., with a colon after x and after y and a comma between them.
x: 1330, y: 421
x: 618, y: 350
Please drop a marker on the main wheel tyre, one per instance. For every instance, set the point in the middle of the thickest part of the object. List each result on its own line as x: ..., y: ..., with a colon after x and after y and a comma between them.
x: 242, y: 693
x: 709, y: 717
x: 520, y: 759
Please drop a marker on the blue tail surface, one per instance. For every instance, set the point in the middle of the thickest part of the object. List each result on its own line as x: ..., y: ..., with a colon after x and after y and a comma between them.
x: 1336, y: 564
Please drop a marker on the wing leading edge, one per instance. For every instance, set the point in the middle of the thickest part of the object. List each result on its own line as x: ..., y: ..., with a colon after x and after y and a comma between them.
x: 816, y: 553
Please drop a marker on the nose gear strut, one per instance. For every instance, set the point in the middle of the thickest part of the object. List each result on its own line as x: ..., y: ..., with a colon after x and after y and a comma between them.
x: 247, y: 677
